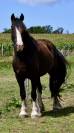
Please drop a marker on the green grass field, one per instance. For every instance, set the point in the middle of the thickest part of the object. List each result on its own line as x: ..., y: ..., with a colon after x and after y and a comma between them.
x: 51, y: 122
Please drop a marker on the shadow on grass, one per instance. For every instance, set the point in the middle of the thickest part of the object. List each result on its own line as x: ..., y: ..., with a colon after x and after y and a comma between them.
x: 63, y: 112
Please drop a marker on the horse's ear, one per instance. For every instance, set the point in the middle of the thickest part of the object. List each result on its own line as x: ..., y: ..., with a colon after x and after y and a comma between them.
x: 22, y: 17
x: 12, y: 17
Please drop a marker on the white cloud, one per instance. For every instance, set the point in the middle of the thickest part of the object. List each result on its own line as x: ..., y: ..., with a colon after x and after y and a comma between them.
x: 48, y: 2
x: 33, y: 2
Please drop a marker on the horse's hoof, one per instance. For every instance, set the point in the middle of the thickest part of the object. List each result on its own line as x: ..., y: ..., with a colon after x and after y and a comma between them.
x: 56, y: 108
x: 23, y: 114
x: 35, y: 115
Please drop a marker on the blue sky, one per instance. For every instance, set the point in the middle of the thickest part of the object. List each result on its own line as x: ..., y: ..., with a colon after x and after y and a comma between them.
x: 57, y: 13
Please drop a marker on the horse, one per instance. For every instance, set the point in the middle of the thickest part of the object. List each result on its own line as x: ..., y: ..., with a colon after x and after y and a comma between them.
x: 32, y: 59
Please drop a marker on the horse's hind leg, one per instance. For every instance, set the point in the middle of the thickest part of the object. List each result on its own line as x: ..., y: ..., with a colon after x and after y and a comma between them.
x: 55, y: 90
x: 39, y: 98
x: 23, y: 111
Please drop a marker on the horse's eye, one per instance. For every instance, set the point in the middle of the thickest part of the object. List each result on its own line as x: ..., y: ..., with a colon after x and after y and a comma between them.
x: 11, y: 27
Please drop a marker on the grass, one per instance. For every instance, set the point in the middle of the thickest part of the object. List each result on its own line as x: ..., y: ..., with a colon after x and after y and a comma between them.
x: 51, y: 122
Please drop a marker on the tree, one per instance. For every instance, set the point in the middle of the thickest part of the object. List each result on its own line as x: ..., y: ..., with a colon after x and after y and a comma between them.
x: 37, y: 29
x: 6, y: 30
x: 48, y: 28
x: 41, y: 29
x: 59, y: 30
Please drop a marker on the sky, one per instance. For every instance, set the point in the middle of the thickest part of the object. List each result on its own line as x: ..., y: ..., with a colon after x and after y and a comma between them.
x: 57, y: 13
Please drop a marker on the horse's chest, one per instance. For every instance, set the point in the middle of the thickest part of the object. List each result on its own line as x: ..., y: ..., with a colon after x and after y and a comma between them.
x: 20, y: 67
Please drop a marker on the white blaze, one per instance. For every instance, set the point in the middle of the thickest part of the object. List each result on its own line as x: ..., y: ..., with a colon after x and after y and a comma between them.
x: 18, y: 37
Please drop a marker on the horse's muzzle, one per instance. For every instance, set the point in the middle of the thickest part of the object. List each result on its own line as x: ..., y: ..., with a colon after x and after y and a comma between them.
x: 19, y: 48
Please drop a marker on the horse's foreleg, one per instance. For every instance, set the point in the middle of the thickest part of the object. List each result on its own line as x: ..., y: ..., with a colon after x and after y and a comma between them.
x: 35, y: 109
x: 23, y: 111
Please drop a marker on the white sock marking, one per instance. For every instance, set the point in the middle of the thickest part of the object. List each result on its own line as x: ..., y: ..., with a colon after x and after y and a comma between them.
x: 23, y: 111
x: 35, y: 110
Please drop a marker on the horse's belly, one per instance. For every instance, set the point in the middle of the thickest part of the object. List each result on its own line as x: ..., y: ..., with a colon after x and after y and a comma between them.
x: 46, y: 60
x: 44, y: 68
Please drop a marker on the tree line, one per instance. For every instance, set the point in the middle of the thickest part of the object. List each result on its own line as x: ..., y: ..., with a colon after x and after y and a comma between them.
x: 41, y: 29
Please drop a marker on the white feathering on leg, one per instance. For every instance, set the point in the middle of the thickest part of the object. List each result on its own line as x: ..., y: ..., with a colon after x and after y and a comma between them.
x: 23, y: 111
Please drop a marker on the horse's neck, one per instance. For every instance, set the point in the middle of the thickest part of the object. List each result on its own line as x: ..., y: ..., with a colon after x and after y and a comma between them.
x: 29, y: 41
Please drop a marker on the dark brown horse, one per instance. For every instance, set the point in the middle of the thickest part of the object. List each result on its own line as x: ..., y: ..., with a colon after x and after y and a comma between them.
x: 32, y: 59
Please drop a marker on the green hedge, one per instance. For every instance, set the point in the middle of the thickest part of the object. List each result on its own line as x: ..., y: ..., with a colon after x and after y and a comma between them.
x: 8, y: 48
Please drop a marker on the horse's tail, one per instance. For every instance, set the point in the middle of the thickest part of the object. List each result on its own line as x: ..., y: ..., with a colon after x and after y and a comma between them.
x: 66, y: 65
x: 68, y: 69
x: 63, y: 70
x: 59, y: 73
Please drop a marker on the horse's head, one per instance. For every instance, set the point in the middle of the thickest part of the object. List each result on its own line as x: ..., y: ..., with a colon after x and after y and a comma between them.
x: 17, y: 28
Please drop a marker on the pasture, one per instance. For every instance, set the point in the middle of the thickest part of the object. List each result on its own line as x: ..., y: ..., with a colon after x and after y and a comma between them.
x: 51, y: 122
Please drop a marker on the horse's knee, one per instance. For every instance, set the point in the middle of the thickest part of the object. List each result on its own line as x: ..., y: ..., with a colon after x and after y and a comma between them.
x: 33, y: 91
x: 33, y: 94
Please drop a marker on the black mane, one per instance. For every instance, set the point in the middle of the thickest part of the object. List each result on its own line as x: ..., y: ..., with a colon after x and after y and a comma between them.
x: 29, y: 42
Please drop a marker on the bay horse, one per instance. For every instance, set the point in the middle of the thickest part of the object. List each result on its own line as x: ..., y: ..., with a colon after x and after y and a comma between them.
x: 32, y: 59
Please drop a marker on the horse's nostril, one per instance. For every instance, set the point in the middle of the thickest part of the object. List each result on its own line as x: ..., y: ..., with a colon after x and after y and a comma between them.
x: 17, y: 47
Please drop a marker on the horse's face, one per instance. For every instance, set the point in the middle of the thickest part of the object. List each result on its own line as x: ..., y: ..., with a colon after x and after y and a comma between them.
x: 17, y: 29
